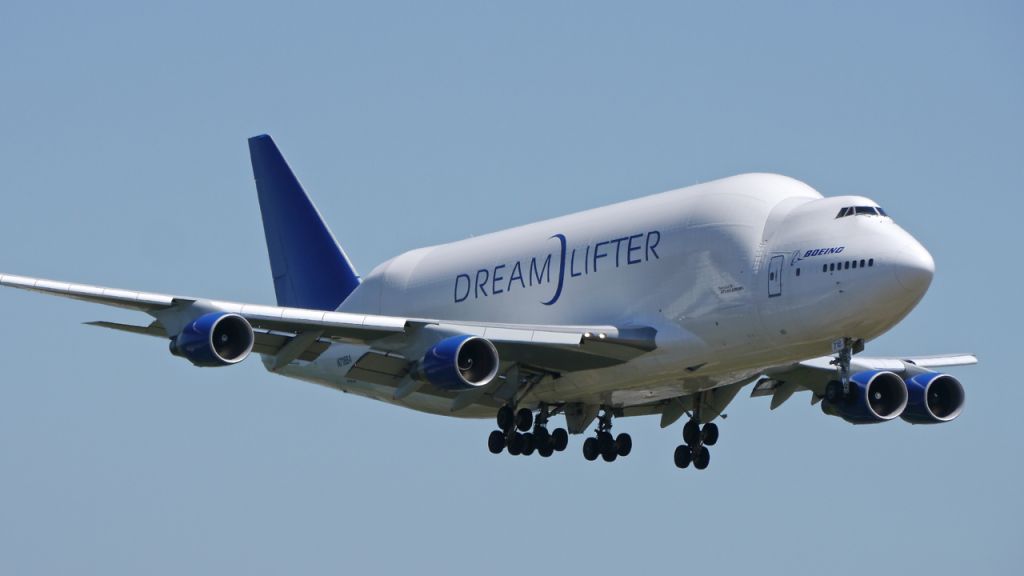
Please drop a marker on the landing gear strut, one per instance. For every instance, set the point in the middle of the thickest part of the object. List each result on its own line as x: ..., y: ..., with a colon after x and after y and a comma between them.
x: 839, y: 390
x: 696, y: 441
x: 514, y: 434
x: 606, y: 446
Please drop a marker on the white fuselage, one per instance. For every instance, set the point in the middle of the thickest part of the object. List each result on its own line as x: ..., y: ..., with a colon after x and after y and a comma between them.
x: 736, y: 275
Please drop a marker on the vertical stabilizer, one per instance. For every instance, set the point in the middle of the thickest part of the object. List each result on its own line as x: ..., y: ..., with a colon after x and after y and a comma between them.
x: 310, y: 269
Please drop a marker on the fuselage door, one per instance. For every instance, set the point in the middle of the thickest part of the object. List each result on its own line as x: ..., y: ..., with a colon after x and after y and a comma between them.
x: 775, y: 276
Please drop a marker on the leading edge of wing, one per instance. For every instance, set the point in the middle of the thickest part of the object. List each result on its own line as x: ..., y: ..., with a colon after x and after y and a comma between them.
x: 594, y: 346
x: 894, y: 364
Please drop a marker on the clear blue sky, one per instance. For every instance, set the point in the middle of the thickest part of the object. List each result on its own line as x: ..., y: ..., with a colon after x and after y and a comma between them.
x: 123, y: 162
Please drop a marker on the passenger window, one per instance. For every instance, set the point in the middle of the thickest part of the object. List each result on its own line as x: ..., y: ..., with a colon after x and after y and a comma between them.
x: 831, y: 267
x: 871, y: 262
x: 846, y: 266
x: 824, y: 267
x: 861, y: 263
x: 854, y: 264
x: 797, y: 271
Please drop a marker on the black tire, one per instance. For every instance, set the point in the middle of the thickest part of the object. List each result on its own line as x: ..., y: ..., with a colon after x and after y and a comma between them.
x: 605, y: 443
x: 506, y: 418
x: 542, y: 436
x: 709, y: 434
x: 591, y: 449
x: 559, y: 439
x: 524, y: 419
x: 545, y: 450
x: 682, y: 456
x: 515, y: 445
x: 702, y: 458
x: 623, y: 444
x: 609, y: 456
x: 691, y: 433
x: 529, y: 444
x: 496, y: 442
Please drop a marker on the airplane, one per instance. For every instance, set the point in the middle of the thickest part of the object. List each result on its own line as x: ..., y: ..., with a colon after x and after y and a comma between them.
x: 663, y: 305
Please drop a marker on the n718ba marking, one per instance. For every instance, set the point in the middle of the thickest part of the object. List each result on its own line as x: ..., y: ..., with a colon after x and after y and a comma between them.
x: 665, y: 305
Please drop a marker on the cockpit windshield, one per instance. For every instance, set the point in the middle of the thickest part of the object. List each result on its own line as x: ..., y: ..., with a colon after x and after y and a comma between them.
x: 861, y: 211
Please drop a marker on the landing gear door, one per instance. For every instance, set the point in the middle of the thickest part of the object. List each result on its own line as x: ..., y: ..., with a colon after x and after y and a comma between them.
x: 775, y: 276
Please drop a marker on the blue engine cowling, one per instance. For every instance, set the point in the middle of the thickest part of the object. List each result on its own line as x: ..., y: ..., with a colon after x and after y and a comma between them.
x: 214, y: 339
x: 934, y: 398
x: 875, y: 396
x: 460, y: 362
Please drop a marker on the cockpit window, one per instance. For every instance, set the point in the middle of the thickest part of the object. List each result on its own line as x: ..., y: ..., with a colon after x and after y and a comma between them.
x: 861, y: 211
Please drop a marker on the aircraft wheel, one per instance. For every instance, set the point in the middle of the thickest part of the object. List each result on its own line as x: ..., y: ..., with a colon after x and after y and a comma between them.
x: 682, y: 456
x: 702, y: 458
x: 496, y: 442
x: 560, y: 439
x: 623, y: 444
x: 529, y: 444
x: 515, y: 444
x: 542, y: 436
x: 710, y: 434
x: 591, y: 449
x: 506, y: 417
x: 691, y: 433
x: 545, y: 450
x: 609, y: 456
x: 524, y: 419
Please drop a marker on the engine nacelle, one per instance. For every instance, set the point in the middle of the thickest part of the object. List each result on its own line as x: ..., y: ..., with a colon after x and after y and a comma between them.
x: 214, y: 339
x: 460, y: 362
x: 875, y: 396
x: 934, y: 398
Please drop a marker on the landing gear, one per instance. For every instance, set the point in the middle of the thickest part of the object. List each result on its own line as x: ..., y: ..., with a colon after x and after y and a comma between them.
x: 515, y: 436
x: 696, y: 441
x: 603, y: 444
x: 695, y: 449
x: 839, y: 390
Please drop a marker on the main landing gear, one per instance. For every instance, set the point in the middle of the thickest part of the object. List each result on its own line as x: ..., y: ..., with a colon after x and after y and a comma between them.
x: 514, y: 434
x: 697, y: 439
x: 604, y: 445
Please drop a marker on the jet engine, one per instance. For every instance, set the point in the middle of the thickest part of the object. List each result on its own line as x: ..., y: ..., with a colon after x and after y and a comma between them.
x: 460, y: 362
x: 874, y: 396
x: 214, y: 339
x: 934, y: 398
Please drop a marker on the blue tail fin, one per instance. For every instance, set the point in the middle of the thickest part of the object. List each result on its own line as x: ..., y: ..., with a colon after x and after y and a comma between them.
x: 310, y: 269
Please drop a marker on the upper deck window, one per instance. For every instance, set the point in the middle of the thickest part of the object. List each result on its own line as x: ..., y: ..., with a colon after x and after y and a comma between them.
x: 861, y: 211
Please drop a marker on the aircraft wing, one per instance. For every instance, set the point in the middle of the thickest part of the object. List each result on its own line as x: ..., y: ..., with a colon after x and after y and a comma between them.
x: 782, y: 382
x: 549, y: 347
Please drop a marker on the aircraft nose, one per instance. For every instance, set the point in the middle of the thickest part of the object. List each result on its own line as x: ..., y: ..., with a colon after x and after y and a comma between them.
x: 914, y: 268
